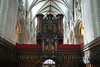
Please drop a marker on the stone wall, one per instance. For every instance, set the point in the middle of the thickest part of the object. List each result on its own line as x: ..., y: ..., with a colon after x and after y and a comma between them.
x: 90, y: 19
x: 95, y: 10
x: 87, y: 21
x: 8, y: 19
x: 3, y: 16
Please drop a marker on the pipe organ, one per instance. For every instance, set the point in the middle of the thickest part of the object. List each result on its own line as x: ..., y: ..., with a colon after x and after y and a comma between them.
x: 50, y: 31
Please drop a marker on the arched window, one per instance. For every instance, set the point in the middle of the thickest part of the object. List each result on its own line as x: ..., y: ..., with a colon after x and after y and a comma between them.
x: 81, y: 28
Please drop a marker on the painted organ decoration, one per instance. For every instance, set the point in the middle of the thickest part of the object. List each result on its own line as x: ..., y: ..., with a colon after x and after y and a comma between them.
x: 49, y: 31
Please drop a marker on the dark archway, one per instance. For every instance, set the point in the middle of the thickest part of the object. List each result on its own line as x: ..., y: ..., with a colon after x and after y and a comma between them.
x: 49, y: 63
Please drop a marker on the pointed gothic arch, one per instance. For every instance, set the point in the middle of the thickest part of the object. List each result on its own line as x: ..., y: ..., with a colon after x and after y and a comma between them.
x: 20, y: 31
x: 78, y: 31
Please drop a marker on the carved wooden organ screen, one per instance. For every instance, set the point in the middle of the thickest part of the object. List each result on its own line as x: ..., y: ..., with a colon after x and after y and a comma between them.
x: 49, y: 29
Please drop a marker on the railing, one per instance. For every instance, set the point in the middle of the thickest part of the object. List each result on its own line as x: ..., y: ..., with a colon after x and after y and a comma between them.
x: 29, y: 46
x: 69, y: 46
x: 59, y: 46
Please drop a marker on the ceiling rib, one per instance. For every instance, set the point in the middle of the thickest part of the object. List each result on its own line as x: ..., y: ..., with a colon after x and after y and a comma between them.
x: 59, y: 8
x: 39, y: 10
x: 35, y: 3
x: 62, y: 11
x: 31, y: 6
x: 67, y: 5
x: 49, y: 6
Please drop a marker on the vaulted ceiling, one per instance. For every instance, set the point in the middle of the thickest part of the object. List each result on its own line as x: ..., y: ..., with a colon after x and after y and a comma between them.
x: 49, y: 7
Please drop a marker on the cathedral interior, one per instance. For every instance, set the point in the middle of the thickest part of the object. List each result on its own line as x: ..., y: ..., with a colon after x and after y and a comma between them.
x: 49, y: 33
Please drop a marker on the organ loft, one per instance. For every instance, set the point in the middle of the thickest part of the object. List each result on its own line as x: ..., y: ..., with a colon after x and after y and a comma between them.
x: 49, y: 31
